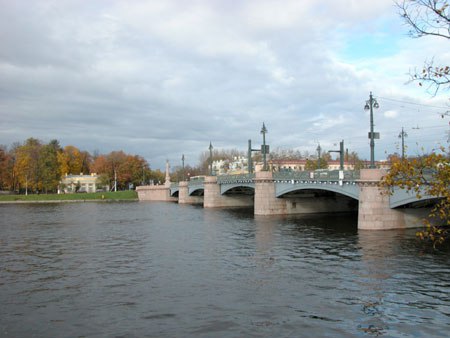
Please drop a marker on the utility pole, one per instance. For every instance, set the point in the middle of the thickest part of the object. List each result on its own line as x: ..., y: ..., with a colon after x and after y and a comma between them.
x: 370, y: 104
x: 402, y: 135
x: 249, y: 155
x: 341, y: 154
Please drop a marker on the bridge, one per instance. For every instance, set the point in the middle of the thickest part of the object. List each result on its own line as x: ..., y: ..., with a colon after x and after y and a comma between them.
x: 299, y: 192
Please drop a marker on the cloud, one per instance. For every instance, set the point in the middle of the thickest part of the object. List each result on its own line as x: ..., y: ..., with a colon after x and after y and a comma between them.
x: 163, y: 78
x: 390, y: 114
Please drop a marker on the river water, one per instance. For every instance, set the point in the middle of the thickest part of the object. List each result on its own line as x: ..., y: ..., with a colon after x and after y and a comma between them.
x: 168, y: 270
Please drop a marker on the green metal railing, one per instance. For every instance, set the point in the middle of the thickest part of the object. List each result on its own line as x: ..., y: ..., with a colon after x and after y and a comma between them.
x: 231, y: 179
x: 317, y: 175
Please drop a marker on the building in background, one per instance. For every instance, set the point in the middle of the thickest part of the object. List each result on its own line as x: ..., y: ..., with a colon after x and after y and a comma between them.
x: 78, y: 183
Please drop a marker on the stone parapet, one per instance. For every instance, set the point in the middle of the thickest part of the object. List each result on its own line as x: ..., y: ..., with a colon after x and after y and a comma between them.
x: 154, y: 193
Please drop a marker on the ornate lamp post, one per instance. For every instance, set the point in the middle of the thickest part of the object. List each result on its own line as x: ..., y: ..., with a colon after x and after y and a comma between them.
x: 370, y: 104
x: 319, y: 149
x: 210, y: 159
x: 263, y: 132
x: 182, y: 164
x: 402, y: 135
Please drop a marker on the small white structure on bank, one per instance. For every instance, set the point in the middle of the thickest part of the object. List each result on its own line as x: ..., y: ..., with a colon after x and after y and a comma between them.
x: 78, y: 183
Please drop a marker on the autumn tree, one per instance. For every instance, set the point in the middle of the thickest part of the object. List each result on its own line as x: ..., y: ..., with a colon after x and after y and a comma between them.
x: 27, y: 164
x: 122, y: 168
x: 5, y: 179
x: 426, y: 175
x: 73, y: 161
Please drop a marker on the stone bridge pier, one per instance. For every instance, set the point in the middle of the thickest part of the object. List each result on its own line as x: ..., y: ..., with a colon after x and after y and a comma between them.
x: 266, y: 202
x: 215, y: 199
x: 184, y: 197
x: 374, y: 212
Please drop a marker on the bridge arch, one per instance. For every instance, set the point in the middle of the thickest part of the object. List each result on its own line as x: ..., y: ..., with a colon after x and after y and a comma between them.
x: 196, y: 191
x: 402, y: 197
x: 347, y: 189
x: 224, y: 188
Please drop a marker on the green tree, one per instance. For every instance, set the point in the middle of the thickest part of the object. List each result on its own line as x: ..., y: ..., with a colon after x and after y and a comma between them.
x: 50, y: 171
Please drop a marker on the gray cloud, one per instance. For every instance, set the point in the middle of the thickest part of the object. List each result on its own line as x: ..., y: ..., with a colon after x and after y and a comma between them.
x: 162, y: 78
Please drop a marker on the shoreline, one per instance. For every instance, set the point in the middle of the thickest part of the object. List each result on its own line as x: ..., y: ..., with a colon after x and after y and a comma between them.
x: 68, y: 201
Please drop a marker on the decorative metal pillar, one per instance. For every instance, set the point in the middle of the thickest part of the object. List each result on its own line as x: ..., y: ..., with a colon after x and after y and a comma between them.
x: 249, y: 157
x: 263, y: 132
x: 182, y: 165
x: 402, y: 135
x: 370, y: 104
x: 319, y: 149
x: 210, y: 159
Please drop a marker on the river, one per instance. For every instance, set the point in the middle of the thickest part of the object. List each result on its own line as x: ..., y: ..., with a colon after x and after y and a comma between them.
x: 166, y: 270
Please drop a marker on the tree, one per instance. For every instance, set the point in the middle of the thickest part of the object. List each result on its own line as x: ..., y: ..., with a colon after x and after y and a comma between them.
x: 428, y: 18
x: 314, y: 164
x: 4, y: 169
x: 429, y: 174
x: 354, y: 159
x: 73, y: 161
x: 50, y: 172
x: 27, y: 164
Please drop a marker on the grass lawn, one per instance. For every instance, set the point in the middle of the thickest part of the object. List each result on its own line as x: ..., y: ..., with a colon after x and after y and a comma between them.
x: 111, y: 196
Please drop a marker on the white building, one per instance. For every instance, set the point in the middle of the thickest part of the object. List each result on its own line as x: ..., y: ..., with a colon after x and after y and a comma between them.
x: 79, y: 183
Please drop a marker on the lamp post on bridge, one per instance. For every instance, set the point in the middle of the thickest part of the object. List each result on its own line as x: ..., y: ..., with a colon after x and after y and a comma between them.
x: 264, y: 149
x: 210, y: 158
x: 370, y: 104
x: 182, y: 164
x: 319, y: 149
x: 402, y: 135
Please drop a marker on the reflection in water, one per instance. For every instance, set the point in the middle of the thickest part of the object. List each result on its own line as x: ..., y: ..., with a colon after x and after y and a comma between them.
x: 168, y: 270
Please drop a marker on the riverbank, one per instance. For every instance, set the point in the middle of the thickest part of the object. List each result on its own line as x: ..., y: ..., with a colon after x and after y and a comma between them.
x: 128, y: 195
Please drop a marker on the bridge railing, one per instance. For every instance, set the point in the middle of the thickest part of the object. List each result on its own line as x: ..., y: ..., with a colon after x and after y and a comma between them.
x: 196, y: 181
x: 317, y: 175
x: 231, y: 179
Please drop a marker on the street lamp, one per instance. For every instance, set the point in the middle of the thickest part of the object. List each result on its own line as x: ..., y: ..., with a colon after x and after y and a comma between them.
x: 402, y: 135
x: 319, y: 149
x: 263, y: 132
x: 370, y: 104
x: 210, y: 158
x: 182, y: 163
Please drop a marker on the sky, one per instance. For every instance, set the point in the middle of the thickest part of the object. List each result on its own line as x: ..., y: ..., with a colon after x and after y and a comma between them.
x: 161, y: 79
